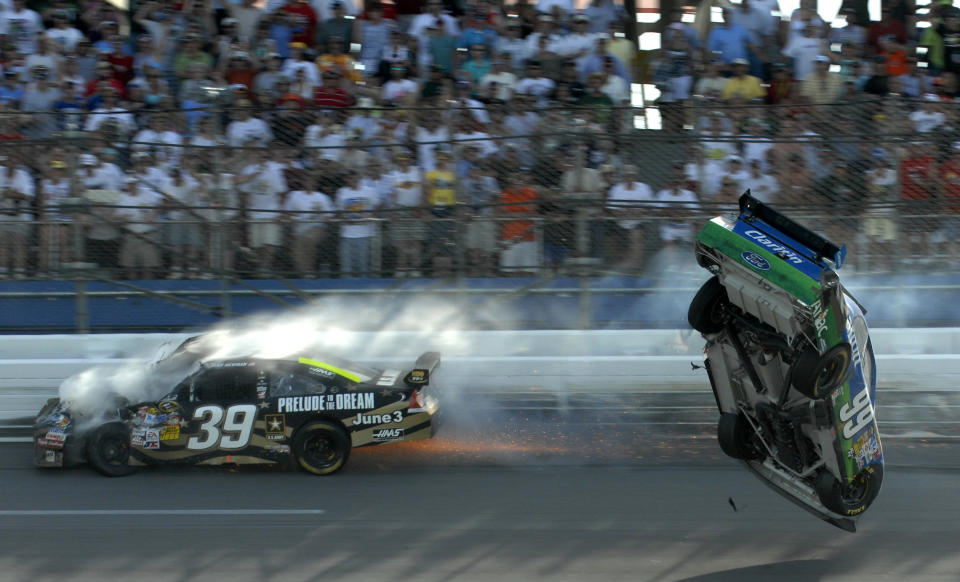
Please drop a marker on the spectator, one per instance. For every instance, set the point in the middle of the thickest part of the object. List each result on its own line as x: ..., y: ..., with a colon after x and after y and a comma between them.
x: 887, y: 25
x: 928, y: 117
x: 729, y: 39
x: 711, y: 83
x: 56, y: 246
x: 246, y: 129
x: 247, y: 15
x: 599, y: 61
x: 804, y: 50
x: 22, y: 25
x: 518, y: 235
x: 139, y: 255
x: 407, y: 228
x: 742, y: 85
x: 822, y: 86
x: 64, y: 36
x: 357, y: 205
x: 478, y: 32
x: 191, y: 55
x: 161, y: 137
x: 918, y: 179
x: 184, y: 232
x: 534, y: 83
x: 916, y: 82
x: 583, y: 190
x: 11, y: 91
x: 479, y: 191
x: 434, y: 12
x: 110, y: 110
x: 338, y: 28
x: 735, y: 171
x: 400, y: 90
x: 300, y: 63
x: 764, y: 187
x: 309, y: 210
x: 628, y: 201
x: 511, y: 42
x: 373, y: 34
x: 879, y: 222
x: 440, y: 194
x: 755, y: 142
x: 441, y: 47
x: 39, y: 96
x: 263, y: 182
x: 302, y: 21
x: 333, y: 92
x: 239, y: 69
x: 501, y: 80
x: 476, y: 66
x: 17, y: 192
x: 677, y: 205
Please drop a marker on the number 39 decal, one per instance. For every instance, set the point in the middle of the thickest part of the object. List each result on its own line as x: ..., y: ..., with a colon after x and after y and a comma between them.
x: 860, y: 408
x: 235, y: 423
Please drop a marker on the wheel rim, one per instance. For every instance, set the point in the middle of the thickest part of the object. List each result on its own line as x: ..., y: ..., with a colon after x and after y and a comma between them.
x: 831, y: 372
x: 320, y: 450
x: 114, y: 450
x: 855, y: 492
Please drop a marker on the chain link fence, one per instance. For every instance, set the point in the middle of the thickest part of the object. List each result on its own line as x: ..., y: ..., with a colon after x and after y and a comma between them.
x: 225, y: 191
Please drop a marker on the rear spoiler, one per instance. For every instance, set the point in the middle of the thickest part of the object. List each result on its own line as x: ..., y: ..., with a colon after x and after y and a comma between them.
x: 423, y: 369
x: 824, y: 249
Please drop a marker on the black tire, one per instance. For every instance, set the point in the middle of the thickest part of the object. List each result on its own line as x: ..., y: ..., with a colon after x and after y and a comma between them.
x: 321, y: 447
x: 815, y: 376
x: 706, y: 310
x: 733, y: 434
x: 853, y: 498
x: 108, y: 450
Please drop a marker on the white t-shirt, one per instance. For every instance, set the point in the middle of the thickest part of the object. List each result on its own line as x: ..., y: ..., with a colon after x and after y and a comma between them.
x: 253, y: 129
x: 626, y: 195
x: 677, y: 198
x: 186, y: 191
x: 150, y: 139
x: 65, y: 38
x: 20, y: 182
x: 144, y: 206
x: 265, y: 189
x: 304, y: 204
x: 101, y: 115
x: 407, y: 187
x: 54, y: 192
x: 106, y: 176
x: 22, y: 27
x: 764, y: 187
x: 927, y: 121
x: 358, y: 203
x: 397, y: 89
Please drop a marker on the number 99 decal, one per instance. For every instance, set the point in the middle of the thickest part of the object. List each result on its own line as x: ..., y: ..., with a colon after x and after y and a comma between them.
x: 231, y: 428
x: 859, y: 408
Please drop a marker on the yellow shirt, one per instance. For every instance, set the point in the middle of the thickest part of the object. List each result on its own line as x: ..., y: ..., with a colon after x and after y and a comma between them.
x: 441, y: 188
x: 748, y: 87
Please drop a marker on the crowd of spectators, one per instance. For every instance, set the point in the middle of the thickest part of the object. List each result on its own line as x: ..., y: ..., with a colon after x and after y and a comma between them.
x: 314, y: 137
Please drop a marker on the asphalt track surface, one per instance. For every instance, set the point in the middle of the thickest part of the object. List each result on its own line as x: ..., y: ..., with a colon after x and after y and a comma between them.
x: 520, y: 495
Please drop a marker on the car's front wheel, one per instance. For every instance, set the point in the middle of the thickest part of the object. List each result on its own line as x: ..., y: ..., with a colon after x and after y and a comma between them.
x: 733, y: 434
x: 321, y: 447
x: 706, y: 310
x: 108, y: 450
x: 852, y: 498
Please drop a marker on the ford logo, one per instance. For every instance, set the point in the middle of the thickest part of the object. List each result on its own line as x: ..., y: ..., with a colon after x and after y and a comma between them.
x: 756, y: 261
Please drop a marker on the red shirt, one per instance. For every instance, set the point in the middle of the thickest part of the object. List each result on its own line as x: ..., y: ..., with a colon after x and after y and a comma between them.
x: 94, y: 84
x: 306, y: 24
x: 122, y: 67
x: 914, y: 180
x: 240, y: 77
x: 331, y: 97
x: 950, y: 173
x: 518, y: 230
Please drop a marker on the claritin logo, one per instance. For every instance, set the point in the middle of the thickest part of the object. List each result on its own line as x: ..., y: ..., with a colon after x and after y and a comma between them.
x: 755, y: 261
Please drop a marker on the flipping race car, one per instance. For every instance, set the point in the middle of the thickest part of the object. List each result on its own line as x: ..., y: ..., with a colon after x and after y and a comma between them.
x: 309, y: 410
x: 790, y: 361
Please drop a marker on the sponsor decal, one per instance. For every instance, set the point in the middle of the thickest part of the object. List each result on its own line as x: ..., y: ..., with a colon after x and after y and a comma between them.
x: 819, y: 318
x: 866, y: 449
x: 387, y: 434
x: 774, y: 247
x: 388, y: 378
x: 396, y: 416
x: 151, y: 439
x: 168, y: 406
x: 54, y: 439
x: 262, y: 384
x: 50, y: 456
x: 230, y: 364
x: 327, y: 402
x: 416, y: 403
x: 856, y: 414
x: 321, y: 372
x: 60, y: 420
x: 276, y: 426
x: 756, y: 261
x: 170, y: 433
x: 417, y: 377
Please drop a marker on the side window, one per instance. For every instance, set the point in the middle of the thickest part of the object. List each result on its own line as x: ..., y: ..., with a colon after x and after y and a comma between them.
x: 287, y: 383
x: 226, y: 385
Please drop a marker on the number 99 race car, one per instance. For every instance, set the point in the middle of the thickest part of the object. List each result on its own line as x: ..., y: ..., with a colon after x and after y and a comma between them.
x: 309, y: 410
x: 790, y: 361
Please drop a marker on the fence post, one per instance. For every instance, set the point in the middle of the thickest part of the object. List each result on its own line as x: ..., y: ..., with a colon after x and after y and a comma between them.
x: 82, y: 321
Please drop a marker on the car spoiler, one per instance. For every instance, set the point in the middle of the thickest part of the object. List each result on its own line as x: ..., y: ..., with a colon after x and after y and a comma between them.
x: 423, y: 369
x: 824, y: 249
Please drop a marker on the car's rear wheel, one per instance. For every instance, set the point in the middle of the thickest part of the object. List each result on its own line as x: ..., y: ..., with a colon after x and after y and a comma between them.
x: 321, y: 447
x: 815, y: 376
x: 706, y: 310
x: 108, y: 450
x: 733, y: 434
x: 852, y: 498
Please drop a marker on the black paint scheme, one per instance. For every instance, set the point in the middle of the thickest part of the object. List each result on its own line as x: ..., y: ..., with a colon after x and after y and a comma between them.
x: 248, y: 410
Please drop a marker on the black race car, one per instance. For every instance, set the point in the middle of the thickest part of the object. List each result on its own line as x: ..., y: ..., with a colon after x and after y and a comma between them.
x: 244, y: 410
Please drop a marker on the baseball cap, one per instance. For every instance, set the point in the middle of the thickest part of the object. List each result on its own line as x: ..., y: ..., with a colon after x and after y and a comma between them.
x: 740, y: 62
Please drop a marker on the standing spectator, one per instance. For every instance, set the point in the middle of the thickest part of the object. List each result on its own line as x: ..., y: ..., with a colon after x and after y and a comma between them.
x: 373, y: 34
x: 918, y: 179
x: 804, y: 50
x: 408, y: 231
x: 110, y: 111
x: 17, y: 192
x: 916, y: 82
x: 192, y: 54
x: 300, y: 63
x: 477, y: 65
x: 764, y: 187
x: 246, y: 129
x: 161, y: 137
x: 736, y: 172
x: 676, y: 204
x: 742, y: 85
x: 184, y: 233
x: 400, y: 90
x: 303, y: 21
x: 39, y: 96
x: 628, y: 201
x: 121, y: 62
x: 56, y: 246
x: 851, y: 35
x: 103, y: 183
x: 928, y: 117
x: 879, y: 223
x: 534, y: 83
x: 309, y: 210
x: 338, y: 28
x: 479, y: 191
x: 580, y: 41
x: 510, y: 42
x: 434, y: 12
x: 64, y: 36
x: 729, y: 39
x: 264, y: 183
x: 887, y: 25
x: 583, y: 191
x: 357, y: 205
x: 518, y: 235
x: 440, y: 194
x: 441, y: 46
x: 22, y: 26
x: 501, y: 80
x: 247, y: 15
x: 139, y: 255
x: 478, y: 32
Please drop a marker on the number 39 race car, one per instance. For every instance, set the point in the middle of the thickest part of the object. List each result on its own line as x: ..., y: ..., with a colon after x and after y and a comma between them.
x: 309, y: 410
x: 790, y: 361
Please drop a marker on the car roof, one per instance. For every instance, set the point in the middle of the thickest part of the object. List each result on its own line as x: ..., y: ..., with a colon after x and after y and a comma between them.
x: 336, y: 365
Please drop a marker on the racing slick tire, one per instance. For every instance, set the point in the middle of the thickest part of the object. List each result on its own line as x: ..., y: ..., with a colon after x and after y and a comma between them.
x: 321, y: 447
x: 733, y: 434
x: 706, y: 310
x: 108, y: 450
x: 815, y: 376
x: 853, y: 498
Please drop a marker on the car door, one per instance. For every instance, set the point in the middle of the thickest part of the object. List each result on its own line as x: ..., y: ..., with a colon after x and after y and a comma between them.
x: 222, y: 408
